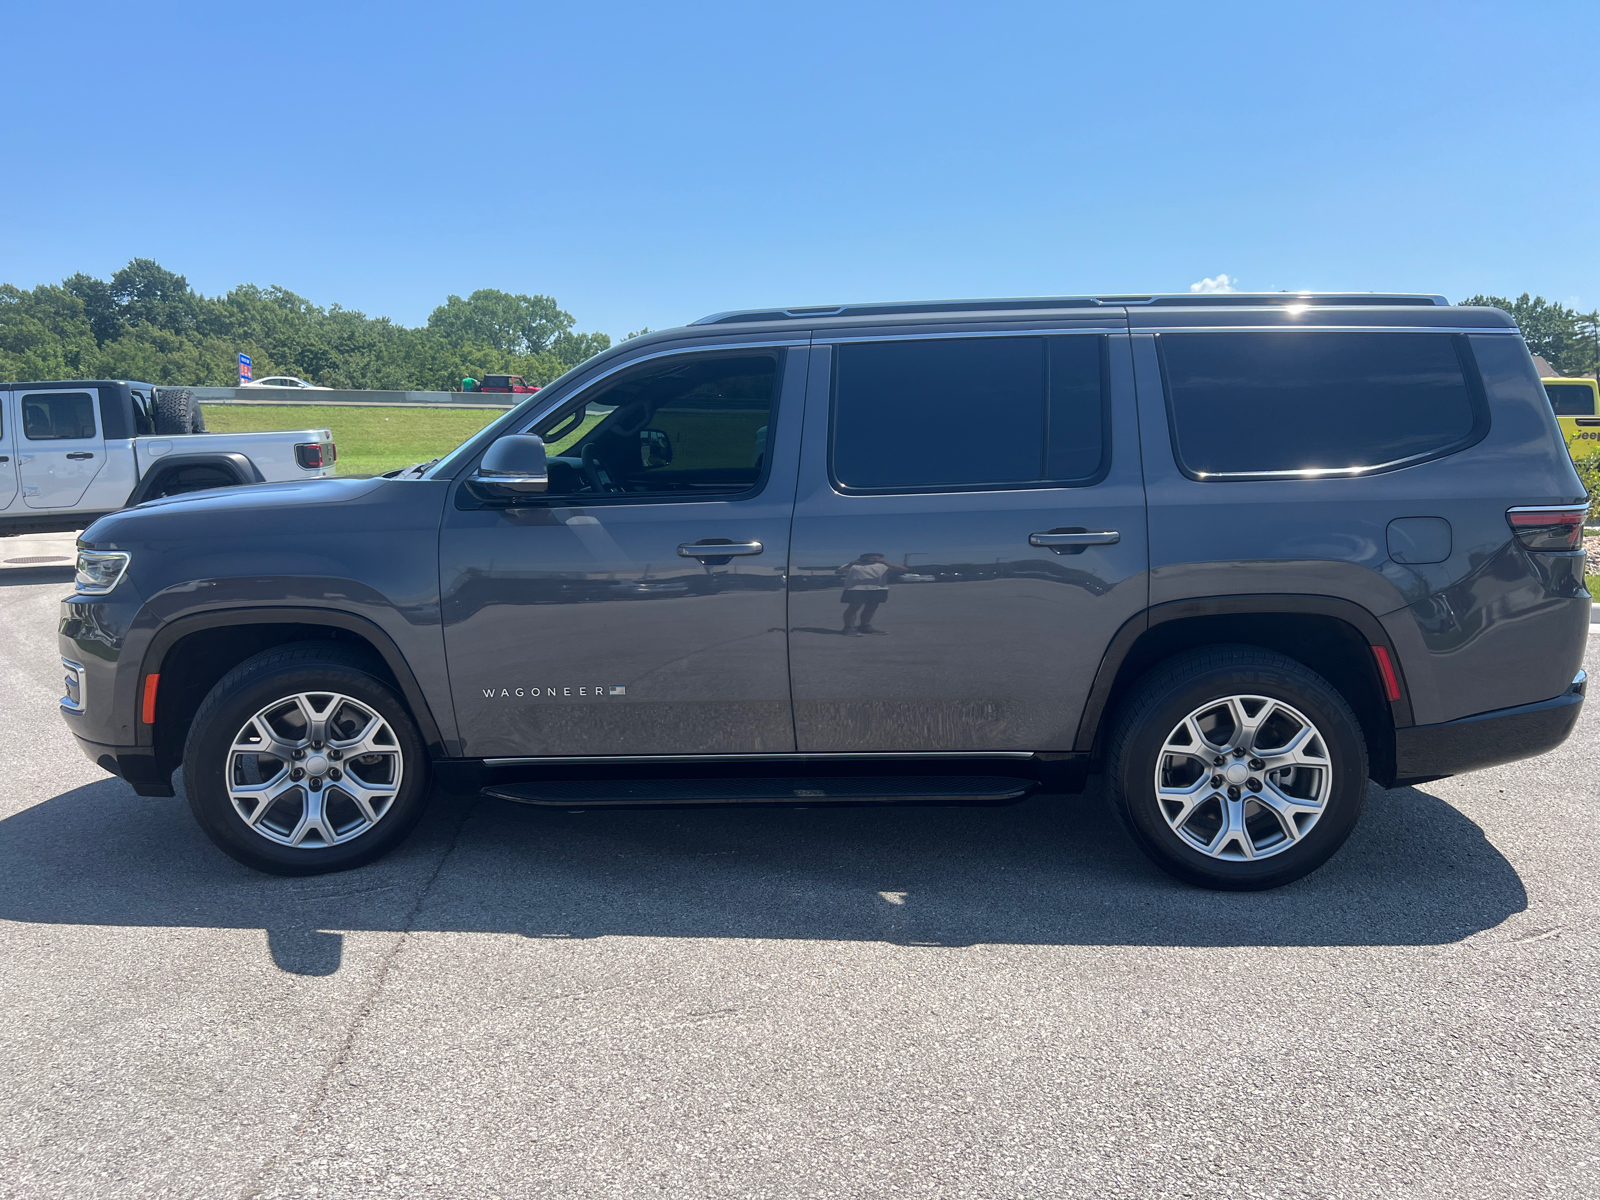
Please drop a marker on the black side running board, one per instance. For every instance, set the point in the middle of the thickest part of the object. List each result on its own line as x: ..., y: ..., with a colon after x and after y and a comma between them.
x: 639, y: 793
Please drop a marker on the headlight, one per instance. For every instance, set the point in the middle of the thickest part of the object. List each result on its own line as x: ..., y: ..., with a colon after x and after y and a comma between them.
x: 100, y: 570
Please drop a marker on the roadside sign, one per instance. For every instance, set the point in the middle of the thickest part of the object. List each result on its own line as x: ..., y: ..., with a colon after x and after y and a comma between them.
x: 244, y: 368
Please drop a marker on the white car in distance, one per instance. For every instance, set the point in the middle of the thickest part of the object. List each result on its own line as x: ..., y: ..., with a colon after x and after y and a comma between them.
x: 284, y: 381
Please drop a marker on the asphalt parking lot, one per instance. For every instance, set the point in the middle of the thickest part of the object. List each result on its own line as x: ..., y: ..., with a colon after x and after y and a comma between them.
x: 785, y: 1003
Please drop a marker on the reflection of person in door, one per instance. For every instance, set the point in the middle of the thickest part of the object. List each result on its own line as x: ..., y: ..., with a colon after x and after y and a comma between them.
x: 866, y: 585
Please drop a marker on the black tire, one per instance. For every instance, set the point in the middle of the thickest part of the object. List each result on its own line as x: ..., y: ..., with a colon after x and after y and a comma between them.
x: 256, y: 684
x: 1164, y: 698
x: 176, y: 412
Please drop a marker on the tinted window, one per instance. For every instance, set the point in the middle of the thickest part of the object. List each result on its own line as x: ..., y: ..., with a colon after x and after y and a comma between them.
x: 693, y: 425
x: 1571, y: 399
x: 1246, y: 403
x: 49, y: 416
x: 927, y: 414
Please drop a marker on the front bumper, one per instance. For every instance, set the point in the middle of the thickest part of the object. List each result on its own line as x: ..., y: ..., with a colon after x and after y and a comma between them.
x: 135, y: 764
x: 1426, y: 752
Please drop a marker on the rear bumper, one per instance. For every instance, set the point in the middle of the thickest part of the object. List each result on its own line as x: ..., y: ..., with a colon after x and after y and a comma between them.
x: 1426, y: 752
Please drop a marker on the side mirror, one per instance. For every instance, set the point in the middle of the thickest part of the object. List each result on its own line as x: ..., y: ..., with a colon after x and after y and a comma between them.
x: 514, y: 466
x: 655, y: 448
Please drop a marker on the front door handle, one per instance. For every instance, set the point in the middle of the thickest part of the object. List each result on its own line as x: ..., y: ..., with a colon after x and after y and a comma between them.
x: 710, y: 548
x: 1077, y: 537
x: 81, y: 454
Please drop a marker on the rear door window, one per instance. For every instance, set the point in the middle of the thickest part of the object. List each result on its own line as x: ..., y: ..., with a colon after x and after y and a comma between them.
x: 1266, y: 405
x: 1571, y: 399
x: 57, y: 416
x: 944, y: 414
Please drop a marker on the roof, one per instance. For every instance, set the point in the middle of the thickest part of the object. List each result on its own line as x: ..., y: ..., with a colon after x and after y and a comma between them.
x: 1047, y: 303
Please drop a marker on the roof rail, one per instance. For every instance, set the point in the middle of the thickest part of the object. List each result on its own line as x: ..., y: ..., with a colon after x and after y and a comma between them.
x: 1035, y: 304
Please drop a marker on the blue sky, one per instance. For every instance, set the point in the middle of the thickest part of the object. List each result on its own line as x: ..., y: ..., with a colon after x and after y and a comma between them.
x: 649, y: 164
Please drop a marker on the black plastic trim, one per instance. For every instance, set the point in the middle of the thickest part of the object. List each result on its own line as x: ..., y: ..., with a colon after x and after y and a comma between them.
x: 244, y: 471
x: 1428, y: 752
x: 1136, y: 626
x: 156, y: 652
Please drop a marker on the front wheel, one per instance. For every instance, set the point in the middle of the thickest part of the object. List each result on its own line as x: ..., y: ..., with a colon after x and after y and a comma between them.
x: 302, y: 761
x: 1237, y: 768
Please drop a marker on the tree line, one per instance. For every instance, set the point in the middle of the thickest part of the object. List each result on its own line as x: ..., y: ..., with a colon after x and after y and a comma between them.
x: 147, y: 323
x: 1565, y: 338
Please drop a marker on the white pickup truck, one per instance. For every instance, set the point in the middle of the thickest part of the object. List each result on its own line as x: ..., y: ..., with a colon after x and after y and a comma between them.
x: 72, y: 451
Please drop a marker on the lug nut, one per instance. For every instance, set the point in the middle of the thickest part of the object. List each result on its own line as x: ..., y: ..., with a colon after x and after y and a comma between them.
x: 297, y: 774
x: 1238, y: 753
x: 335, y: 775
x: 298, y: 754
x: 316, y: 785
x: 1257, y: 765
x: 1218, y: 761
x: 1254, y: 785
x: 1233, y: 792
x: 1216, y: 781
x: 335, y: 755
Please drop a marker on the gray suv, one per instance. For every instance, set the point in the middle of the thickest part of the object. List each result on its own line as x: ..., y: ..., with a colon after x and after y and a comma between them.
x: 1238, y: 554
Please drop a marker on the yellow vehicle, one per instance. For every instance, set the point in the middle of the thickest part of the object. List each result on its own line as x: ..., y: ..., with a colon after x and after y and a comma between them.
x: 1577, y: 405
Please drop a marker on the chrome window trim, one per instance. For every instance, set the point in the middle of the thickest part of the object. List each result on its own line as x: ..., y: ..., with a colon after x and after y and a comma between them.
x: 1457, y: 329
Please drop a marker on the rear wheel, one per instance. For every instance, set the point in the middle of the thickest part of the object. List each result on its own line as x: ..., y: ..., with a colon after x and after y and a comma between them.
x: 1237, y: 768
x: 301, y: 761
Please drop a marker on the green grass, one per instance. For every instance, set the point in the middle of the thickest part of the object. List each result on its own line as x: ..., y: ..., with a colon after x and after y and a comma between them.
x: 370, y: 440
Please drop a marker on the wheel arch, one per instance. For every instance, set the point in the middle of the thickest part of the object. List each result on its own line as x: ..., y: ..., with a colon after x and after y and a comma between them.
x: 1330, y: 635
x: 191, y: 654
x: 231, y: 462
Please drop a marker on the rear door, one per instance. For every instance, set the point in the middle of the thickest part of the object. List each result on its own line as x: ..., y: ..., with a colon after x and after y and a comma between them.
x: 59, y: 445
x: 969, y: 535
x: 8, y: 455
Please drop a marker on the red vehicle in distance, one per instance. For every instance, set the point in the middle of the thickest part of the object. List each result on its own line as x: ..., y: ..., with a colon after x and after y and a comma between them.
x: 506, y: 383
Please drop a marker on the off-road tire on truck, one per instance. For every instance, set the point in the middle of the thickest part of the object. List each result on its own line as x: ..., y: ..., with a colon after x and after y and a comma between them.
x: 177, y: 412
x: 1237, y: 768
x: 302, y: 760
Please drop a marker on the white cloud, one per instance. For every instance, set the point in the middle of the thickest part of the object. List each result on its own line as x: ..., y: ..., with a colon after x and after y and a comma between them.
x: 1217, y: 283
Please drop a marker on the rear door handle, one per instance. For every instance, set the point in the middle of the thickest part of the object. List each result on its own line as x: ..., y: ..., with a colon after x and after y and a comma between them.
x: 81, y: 454
x: 710, y: 549
x: 1105, y: 537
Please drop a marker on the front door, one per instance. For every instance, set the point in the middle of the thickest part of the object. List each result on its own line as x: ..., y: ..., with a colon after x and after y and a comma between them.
x: 969, y: 535
x: 60, y: 448
x: 8, y: 455
x: 637, y: 608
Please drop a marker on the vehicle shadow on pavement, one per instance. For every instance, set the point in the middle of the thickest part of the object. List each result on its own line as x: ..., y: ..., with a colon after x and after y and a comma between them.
x: 1055, y: 870
x: 27, y: 576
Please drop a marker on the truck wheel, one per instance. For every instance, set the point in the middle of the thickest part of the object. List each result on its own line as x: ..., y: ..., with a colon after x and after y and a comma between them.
x: 176, y: 412
x: 302, y: 761
x: 1237, y: 768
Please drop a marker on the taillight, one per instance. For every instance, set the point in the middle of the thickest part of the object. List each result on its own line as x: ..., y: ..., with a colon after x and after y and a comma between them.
x: 311, y: 455
x: 1552, y: 527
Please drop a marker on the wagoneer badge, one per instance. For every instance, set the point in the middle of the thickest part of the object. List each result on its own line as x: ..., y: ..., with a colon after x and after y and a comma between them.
x: 536, y: 693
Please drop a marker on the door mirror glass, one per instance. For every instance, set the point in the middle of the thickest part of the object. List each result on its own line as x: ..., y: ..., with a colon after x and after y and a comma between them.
x: 655, y: 448
x: 513, y: 466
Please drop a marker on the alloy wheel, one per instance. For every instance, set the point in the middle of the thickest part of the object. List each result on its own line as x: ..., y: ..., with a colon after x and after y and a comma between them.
x: 1243, y: 778
x: 314, y: 769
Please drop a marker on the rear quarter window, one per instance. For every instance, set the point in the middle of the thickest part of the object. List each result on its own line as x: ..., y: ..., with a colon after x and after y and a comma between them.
x: 1306, y: 404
